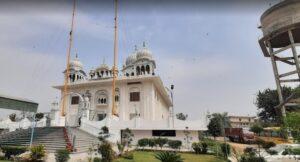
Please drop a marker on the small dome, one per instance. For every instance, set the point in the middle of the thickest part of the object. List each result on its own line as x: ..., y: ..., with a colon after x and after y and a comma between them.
x: 131, y: 59
x: 76, y: 64
x: 144, y: 53
x: 103, y: 66
x: 92, y: 71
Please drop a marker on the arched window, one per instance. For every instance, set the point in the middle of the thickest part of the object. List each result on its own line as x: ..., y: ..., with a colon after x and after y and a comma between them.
x: 127, y: 74
x: 102, y: 72
x: 138, y: 70
x: 101, y: 97
x: 73, y: 77
x: 132, y: 74
x: 148, y: 69
x: 143, y: 69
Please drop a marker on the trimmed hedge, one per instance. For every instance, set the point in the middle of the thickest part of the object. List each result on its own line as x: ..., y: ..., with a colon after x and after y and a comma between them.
x: 143, y: 142
x: 161, y: 142
x: 174, y: 144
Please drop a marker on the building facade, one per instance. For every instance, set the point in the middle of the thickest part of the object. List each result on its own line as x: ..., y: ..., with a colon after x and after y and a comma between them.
x: 143, y: 103
x: 242, y: 121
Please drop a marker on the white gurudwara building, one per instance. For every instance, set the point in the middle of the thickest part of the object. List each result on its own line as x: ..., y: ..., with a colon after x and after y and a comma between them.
x: 143, y: 103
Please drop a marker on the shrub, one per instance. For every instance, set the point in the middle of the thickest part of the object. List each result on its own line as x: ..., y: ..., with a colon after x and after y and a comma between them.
x: 225, y: 148
x: 290, y: 151
x: 143, y: 142
x: 168, y: 157
x: 151, y: 142
x: 200, y: 147
x: 96, y: 159
x: 204, y: 147
x: 128, y: 155
x: 196, y: 146
x: 62, y: 155
x: 272, y: 152
x: 12, y: 151
x: 161, y: 141
x: 39, y: 116
x: 248, y: 150
x: 37, y: 152
x: 287, y: 151
x: 12, y: 117
x: 106, y: 152
x: 267, y: 145
x: 296, y: 151
x: 247, y: 158
x: 175, y: 144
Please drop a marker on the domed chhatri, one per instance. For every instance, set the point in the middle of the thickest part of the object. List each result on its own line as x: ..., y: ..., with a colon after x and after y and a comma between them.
x: 144, y: 53
x: 131, y: 58
x: 76, y: 64
x: 103, y: 66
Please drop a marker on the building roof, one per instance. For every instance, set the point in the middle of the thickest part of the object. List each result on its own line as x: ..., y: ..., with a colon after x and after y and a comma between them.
x: 17, y: 103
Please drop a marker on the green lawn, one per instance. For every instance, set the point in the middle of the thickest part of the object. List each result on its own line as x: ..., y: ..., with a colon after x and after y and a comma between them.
x: 143, y: 156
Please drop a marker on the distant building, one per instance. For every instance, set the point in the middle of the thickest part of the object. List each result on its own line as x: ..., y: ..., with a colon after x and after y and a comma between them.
x: 242, y: 121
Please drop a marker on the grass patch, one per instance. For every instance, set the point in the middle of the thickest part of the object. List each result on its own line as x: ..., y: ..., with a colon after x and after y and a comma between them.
x: 148, y: 156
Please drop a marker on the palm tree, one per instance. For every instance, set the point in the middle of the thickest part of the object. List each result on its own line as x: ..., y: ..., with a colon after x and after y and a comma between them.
x: 166, y: 156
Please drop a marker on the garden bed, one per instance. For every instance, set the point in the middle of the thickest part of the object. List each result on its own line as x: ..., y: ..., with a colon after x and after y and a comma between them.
x: 148, y: 156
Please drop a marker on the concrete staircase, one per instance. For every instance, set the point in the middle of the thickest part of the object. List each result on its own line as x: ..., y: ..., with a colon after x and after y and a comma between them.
x: 51, y: 137
x: 83, y: 140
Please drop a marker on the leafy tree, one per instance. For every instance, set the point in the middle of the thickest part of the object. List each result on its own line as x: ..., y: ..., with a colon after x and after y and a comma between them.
x: 166, y: 156
x: 104, y: 134
x: 257, y: 129
x: 214, y: 127
x: 218, y: 123
x: 127, y: 137
x: 105, y: 148
x: 267, y: 100
x: 13, y: 117
x: 181, y: 116
x: 106, y: 151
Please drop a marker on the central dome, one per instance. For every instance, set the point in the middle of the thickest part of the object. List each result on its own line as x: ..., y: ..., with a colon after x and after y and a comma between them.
x: 144, y: 53
x: 103, y: 66
x: 76, y: 64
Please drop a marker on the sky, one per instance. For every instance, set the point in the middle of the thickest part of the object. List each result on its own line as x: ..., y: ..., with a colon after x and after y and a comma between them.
x: 208, y: 50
